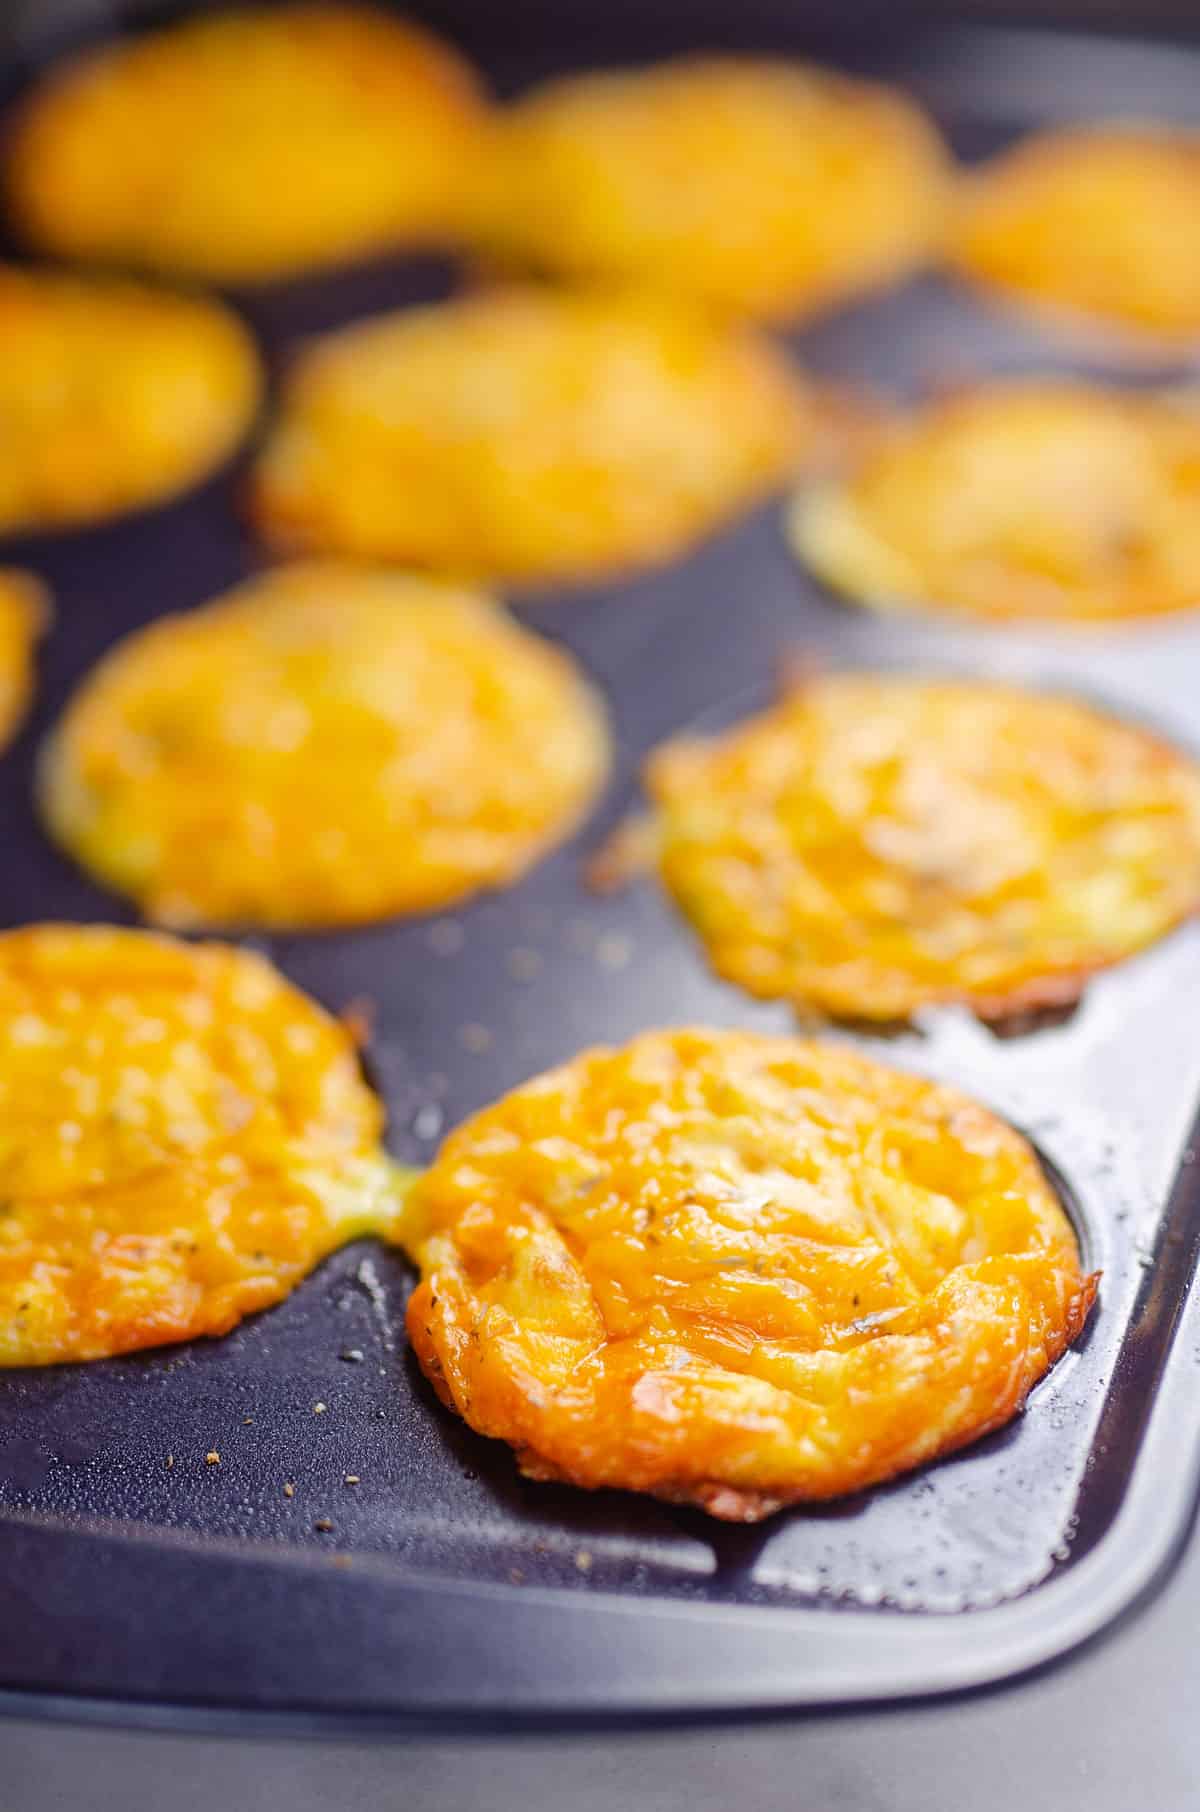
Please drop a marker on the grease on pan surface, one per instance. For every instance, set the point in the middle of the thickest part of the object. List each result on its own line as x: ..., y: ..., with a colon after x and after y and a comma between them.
x: 1095, y: 226
x: 323, y: 745
x: 1019, y: 500
x: 113, y: 395
x: 247, y: 145
x: 528, y: 435
x: 24, y: 613
x: 183, y: 1135
x: 737, y: 1271
x: 874, y: 844
x: 768, y: 188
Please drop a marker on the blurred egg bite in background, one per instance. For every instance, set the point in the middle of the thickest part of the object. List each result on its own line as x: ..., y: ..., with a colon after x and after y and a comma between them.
x: 248, y: 144
x: 763, y: 187
x: 324, y: 745
x: 183, y: 1136
x: 24, y: 617
x: 877, y: 843
x: 1096, y: 227
x: 528, y: 435
x: 1018, y: 500
x: 114, y: 395
x: 737, y: 1271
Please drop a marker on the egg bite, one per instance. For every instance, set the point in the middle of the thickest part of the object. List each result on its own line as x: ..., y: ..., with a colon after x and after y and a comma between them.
x: 24, y: 614
x: 766, y: 188
x: 1095, y: 228
x: 113, y: 396
x: 1018, y: 501
x: 878, y: 843
x: 183, y: 1136
x: 248, y: 144
x: 530, y: 436
x: 737, y: 1271
x: 322, y: 746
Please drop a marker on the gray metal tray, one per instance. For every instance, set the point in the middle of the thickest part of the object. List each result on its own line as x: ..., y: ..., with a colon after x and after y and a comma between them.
x: 450, y: 1590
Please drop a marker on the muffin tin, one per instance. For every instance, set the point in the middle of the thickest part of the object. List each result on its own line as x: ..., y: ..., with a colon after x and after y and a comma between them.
x: 445, y: 1588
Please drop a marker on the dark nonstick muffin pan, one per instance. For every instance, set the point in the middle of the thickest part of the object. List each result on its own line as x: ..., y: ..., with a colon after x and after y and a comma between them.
x: 442, y: 1587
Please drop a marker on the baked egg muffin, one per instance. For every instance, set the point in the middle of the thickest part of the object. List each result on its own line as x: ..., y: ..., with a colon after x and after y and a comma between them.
x: 878, y: 843
x: 531, y: 436
x: 183, y: 1137
x: 1043, y: 499
x: 1095, y: 228
x: 114, y: 395
x: 764, y: 188
x: 325, y: 745
x: 248, y: 144
x: 737, y: 1271
x: 24, y: 615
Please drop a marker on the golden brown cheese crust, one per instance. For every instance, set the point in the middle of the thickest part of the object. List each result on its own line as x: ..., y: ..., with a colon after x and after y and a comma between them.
x: 1039, y: 499
x: 24, y: 615
x: 249, y: 144
x: 766, y: 188
x: 876, y: 844
x: 324, y: 745
x: 1098, y: 227
x: 529, y: 436
x: 113, y: 395
x: 737, y: 1271
x: 183, y: 1136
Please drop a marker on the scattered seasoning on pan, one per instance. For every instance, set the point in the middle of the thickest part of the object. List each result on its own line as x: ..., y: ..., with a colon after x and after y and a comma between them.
x: 247, y: 1421
x: 351, y: 1478
x: 353, y: 1355
x: 524, y: 965
x: 169, y: 1461
x: 446, y: 937
x: 427, y: 1122
x: 323, y: 1525
x: 319, y: 1409
x: 581, y: 935
x: 516, y: 1576
x: 212, y: 1458
x: 289, y: 1490
x: 583, y: 1560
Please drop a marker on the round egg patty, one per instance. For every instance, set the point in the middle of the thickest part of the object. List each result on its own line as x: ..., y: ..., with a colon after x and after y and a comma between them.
x: 737, y: 1271
x: 1097, y: 225
x: 249, y: 144
x: 183, y: 1136
x: 877, y: 843
x: 24, y: 613
x: 1037, y: 499
x: 323, y: 746
x: 767, y: 188
x: 113, y: 395
x: 526, y: 435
